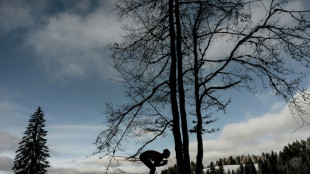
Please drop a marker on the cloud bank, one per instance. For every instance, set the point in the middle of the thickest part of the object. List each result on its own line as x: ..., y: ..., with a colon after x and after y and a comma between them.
x: 271, y: 131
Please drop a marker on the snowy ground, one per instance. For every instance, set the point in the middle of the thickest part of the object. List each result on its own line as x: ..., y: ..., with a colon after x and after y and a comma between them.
x: 232, y: 167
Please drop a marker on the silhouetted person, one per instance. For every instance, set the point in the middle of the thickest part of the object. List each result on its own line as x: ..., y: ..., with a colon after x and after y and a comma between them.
x: 153, y: 159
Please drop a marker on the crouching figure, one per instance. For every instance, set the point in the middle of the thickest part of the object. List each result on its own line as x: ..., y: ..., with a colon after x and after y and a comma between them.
x: 153, y: 159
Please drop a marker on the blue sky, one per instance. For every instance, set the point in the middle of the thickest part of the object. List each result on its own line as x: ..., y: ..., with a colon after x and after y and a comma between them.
x: 54, y: 55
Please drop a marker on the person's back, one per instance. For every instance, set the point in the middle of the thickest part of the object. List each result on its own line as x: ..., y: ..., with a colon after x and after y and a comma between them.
x: 154, y: 155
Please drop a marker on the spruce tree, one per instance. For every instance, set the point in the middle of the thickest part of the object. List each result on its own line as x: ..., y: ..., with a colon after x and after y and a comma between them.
x: 32, y: 153
x: 240, y: 169
x: 212, y: 168
x: 221, y: 167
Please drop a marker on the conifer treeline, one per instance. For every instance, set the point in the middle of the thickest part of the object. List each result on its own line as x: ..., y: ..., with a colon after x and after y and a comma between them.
x: 294, y: 158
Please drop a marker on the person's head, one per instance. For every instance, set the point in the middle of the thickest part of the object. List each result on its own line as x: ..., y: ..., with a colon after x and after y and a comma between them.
x: 166, y: 153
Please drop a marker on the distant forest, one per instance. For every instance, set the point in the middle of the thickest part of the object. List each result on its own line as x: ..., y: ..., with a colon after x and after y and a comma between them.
x: 293, y: 159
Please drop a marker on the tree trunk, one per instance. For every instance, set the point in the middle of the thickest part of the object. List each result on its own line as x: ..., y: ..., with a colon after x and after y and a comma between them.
x: 173, y: 86
x: 181, y: 91
x: 199, y: 156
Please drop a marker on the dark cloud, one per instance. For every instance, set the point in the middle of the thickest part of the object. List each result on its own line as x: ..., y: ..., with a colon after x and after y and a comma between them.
x: 306, y: 4
x: 6, y: 164
x: 15, y: 15
x: 82, y: 7
x: 67, y: 38
x: 29, y: 15
x: 8, y: 142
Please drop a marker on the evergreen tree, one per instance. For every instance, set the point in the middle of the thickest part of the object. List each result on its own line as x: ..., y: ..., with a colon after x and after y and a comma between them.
x: 231, y: 161
x: 240, y: 169
x: 32, y: 152
x: 212, y: 168
x: 238, y: 160
x: 272, y: 160
x: 193, y: 167
x: 249, y: 167
x: 261, y: 167
x: 221, y: 167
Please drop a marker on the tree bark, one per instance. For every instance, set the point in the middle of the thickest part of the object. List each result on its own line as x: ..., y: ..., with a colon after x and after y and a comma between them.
x: 181, y: 90
x: 173, y: 90
x: 199, y: 156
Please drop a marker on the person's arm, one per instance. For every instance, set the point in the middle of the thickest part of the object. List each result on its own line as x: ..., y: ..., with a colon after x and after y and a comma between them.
x: 160, y: 163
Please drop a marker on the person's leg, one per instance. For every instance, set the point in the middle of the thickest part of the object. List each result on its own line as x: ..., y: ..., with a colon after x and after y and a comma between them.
x: 152, y: 171
x: 148, y: 163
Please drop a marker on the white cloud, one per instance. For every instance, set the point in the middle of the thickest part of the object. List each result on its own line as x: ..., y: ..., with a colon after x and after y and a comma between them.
x: 127, y: 166
x: 92, y: 165
x: 72, y: 45
x: 271, y: 131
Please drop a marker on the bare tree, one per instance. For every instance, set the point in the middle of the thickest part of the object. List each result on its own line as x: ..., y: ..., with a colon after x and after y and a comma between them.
x: 167, y: 64
x: 147, y: 63
x: 261, y: 49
